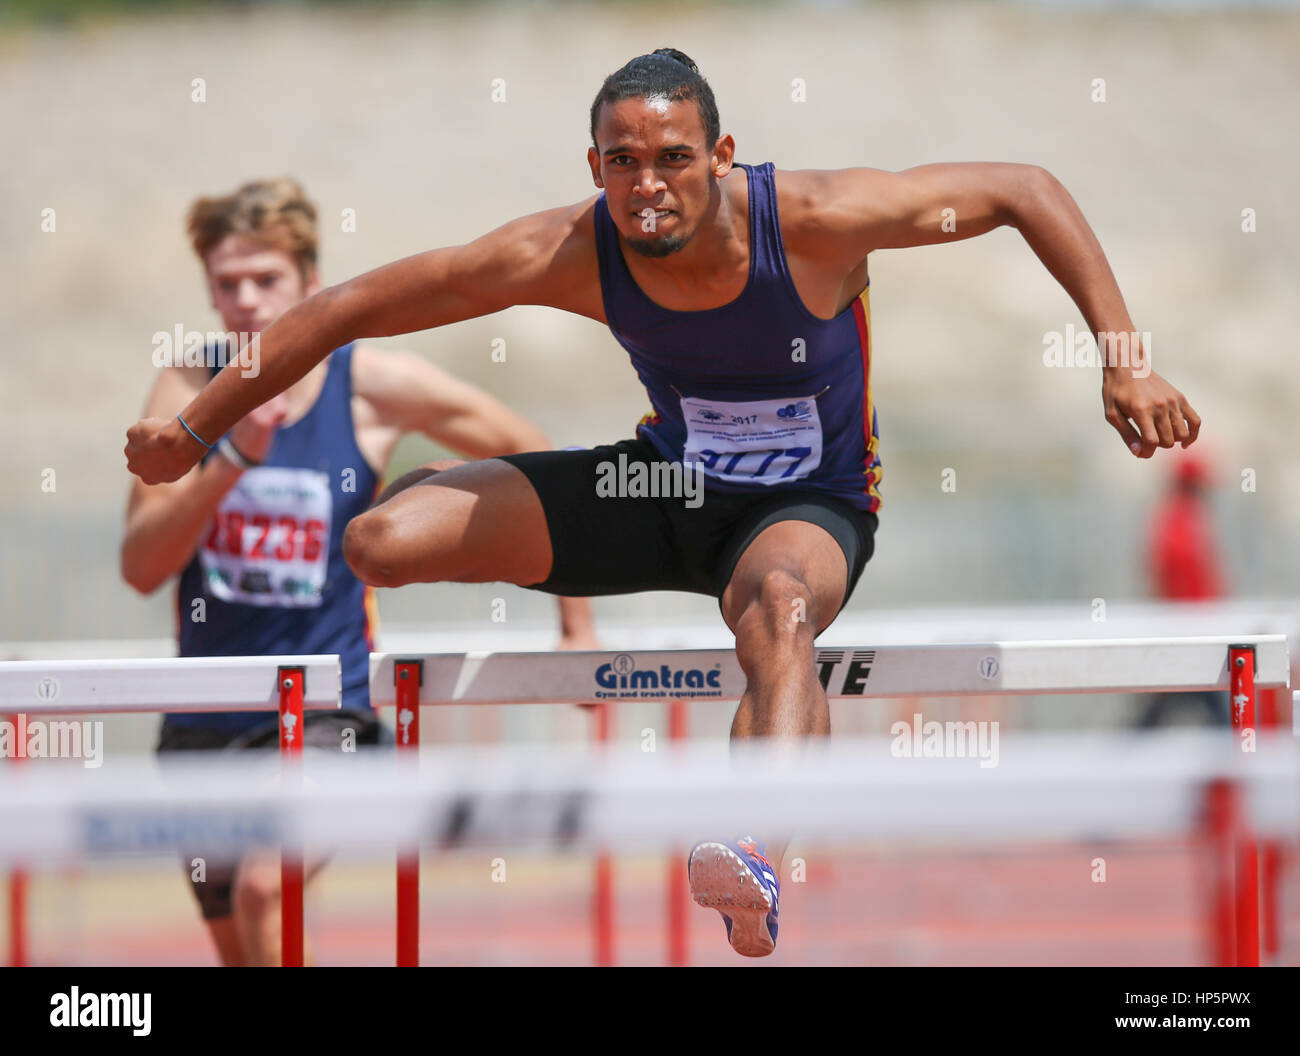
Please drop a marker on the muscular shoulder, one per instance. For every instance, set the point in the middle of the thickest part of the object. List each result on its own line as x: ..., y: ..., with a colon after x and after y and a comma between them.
x: 822, y: 211
x: 564, y: 228
x: 551, y: 254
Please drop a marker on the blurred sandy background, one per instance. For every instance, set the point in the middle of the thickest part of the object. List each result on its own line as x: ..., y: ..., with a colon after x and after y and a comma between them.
x: 389, y: 113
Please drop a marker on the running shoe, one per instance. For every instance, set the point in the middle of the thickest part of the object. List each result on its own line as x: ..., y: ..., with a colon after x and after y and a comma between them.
x: 739, y: 882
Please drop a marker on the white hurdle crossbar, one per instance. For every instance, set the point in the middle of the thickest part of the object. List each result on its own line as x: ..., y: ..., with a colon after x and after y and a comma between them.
x: 1082, y: 666
x: 186, y: 683
x: 1045, y: 787
x: 288, y: 685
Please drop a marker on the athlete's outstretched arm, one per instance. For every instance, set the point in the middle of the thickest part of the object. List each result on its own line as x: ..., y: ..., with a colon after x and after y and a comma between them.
x: 537, y: 259
x: 860, y: 210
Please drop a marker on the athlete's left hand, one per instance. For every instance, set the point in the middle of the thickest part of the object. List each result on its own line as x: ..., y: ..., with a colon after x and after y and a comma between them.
x: 1161, y: 413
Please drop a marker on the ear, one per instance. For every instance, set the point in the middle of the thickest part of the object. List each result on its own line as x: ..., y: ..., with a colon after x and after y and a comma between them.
x: 593, y: 159
x: 312, y: 285
x: 724, y: 156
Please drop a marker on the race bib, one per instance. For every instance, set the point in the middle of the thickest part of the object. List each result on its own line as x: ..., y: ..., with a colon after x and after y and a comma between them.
x: 269, y: 541
x: 754, y: 442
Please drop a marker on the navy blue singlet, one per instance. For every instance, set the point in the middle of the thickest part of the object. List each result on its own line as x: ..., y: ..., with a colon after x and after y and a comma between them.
x: 760, y: 393
x: 270, y: 569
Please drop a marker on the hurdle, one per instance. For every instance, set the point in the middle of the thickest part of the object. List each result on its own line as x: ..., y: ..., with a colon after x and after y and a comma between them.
x: 1241, y: 665
x: 288, y: 685
x: 673, y: 677
x: 1047, y: 787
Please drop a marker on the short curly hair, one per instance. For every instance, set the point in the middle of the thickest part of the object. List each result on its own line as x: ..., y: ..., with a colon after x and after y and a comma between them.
x: 276, y: 213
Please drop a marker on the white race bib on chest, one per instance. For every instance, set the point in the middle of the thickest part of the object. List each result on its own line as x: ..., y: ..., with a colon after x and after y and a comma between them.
x: 269, y: 541
x: 755, y: 441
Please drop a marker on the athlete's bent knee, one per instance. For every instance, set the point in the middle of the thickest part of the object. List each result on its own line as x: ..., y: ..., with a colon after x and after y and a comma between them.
x: 780, y: 608
x: 256, y: 891
x: 365, y: 542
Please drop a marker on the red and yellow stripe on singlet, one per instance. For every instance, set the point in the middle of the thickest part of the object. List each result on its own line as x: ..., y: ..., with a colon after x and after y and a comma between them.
x: 871, y: 464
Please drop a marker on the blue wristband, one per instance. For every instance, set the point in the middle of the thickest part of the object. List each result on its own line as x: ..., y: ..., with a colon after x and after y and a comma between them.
x: 193, y: 433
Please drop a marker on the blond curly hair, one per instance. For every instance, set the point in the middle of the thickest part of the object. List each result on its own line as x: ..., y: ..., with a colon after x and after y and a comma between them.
x: 276, y: 213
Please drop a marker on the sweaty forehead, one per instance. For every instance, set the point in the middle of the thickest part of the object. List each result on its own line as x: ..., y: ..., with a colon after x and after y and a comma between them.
x: 648, y: 123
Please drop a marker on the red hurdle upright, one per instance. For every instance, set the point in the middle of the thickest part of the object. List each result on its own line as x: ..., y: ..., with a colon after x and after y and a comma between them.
x: 290, y: 681
x: 1241, y: 683
x: 1270, y: 851
x: 1235, y: 894
x: 603, y: 897
x: 1221, y: 821
x: 18, y: 883
x: 408, y: 676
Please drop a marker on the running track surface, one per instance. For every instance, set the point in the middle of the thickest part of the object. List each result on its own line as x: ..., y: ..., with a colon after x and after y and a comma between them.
x: 1030, y: 907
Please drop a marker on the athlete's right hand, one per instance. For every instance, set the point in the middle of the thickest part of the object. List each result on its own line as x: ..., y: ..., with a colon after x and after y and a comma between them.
x: 159, y: 450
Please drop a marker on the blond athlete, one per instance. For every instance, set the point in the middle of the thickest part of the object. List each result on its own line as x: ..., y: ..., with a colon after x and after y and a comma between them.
x: 256, y: 531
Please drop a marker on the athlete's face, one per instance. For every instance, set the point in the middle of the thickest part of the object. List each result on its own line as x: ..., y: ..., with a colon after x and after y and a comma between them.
x: 253, y: 285
x: 658, y: 171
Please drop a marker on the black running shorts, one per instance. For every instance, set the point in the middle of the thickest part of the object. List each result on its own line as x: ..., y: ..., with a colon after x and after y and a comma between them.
x: 626, y: 543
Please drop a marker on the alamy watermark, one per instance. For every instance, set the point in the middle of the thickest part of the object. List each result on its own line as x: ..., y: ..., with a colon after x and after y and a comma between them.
x: 945, y: 740
x: 75, y: 1009
x: 1079, y: 348
x: 207, y: 348
x: 651, y: 480
x: 58, y: 739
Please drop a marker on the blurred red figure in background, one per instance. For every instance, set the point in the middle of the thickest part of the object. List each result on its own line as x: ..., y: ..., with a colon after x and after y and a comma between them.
x: 1184, y: 554
x: 1184, y: 564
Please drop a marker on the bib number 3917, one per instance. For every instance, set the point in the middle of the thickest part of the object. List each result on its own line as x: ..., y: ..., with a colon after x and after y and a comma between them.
x: 753, y: 442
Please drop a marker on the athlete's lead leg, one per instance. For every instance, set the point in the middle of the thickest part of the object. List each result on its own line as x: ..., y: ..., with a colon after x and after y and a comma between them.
x: 479, y: 522
x: 415, y: 476
x: 786, y: 588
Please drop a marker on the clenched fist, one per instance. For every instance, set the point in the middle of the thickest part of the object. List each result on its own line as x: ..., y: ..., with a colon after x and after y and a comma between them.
x: 159, y: 450
x: 1161, y: 413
